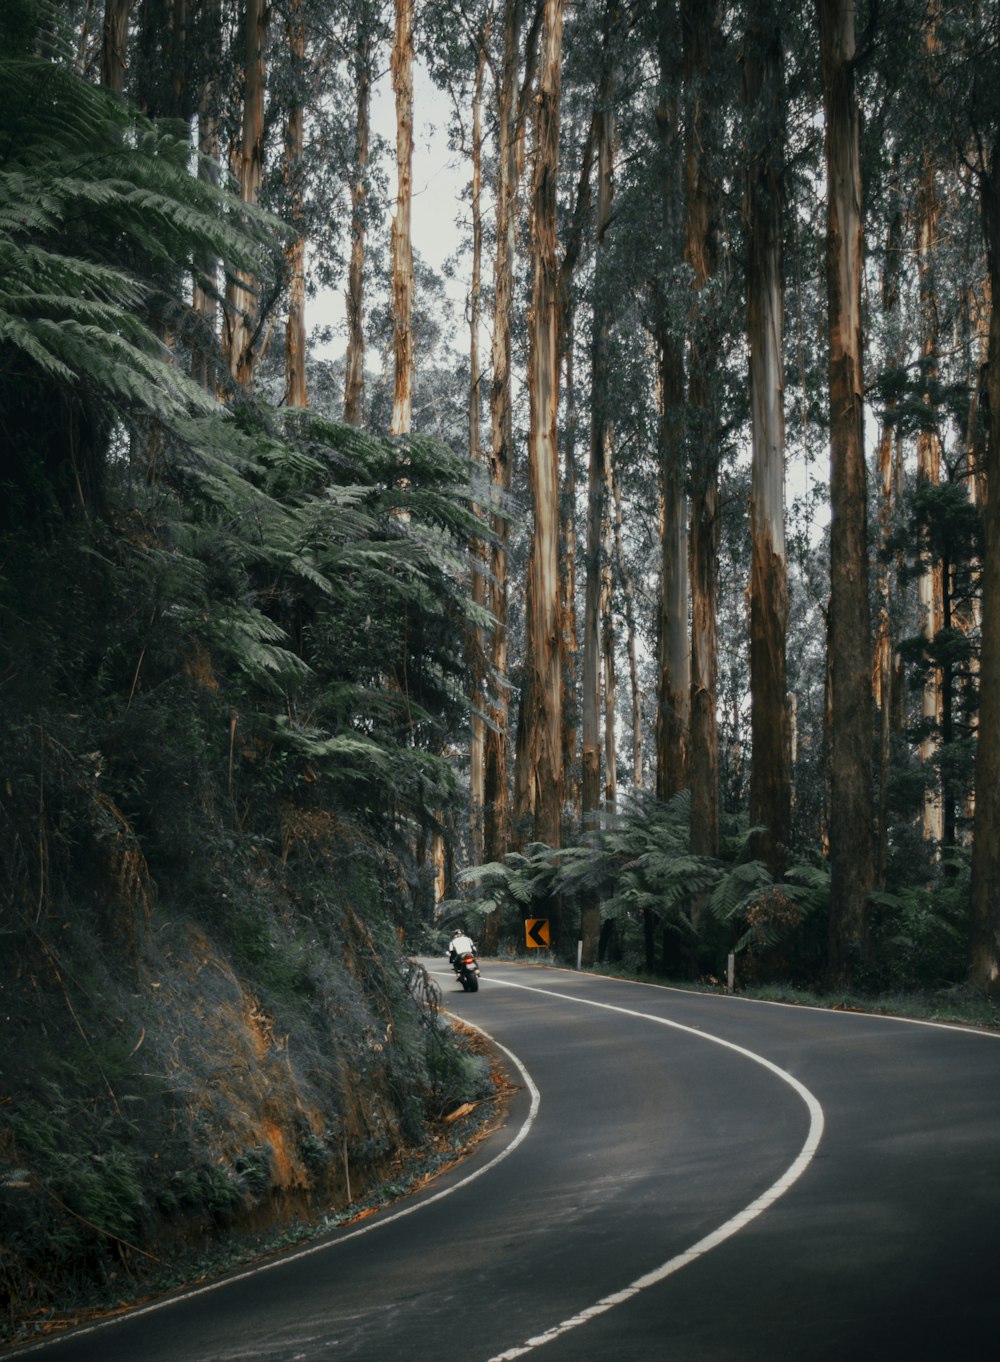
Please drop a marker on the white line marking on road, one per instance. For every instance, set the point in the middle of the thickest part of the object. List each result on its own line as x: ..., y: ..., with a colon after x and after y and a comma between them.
x: 323, y: 1247
x: 724, y: 1231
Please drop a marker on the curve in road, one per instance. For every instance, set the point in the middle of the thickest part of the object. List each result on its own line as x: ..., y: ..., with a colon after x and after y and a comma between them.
x: 717, y: 1236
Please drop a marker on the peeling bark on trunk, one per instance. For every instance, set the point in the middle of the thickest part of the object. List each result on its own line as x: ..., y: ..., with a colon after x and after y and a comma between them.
x: 240, y: 323
x: 296, y: 394
x: 354, y: 366
x: 402, y: 244
x: 699, y: 23
x: 770, y: 770
x: 851, y: 809
x: 984, y: 944
x: 544, y: 709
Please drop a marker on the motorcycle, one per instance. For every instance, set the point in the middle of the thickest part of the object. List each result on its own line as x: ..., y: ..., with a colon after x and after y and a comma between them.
x: 467, y: 971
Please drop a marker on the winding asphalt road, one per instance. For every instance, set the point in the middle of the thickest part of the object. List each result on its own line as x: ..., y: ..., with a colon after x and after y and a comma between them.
x: 683, y: 1178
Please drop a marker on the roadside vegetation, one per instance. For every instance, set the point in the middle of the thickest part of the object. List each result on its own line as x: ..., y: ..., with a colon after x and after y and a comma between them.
x: 669, y: 915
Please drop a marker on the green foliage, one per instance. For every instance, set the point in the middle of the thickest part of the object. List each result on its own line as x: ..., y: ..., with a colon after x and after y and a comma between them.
x: 96, y: 203
x: 640, y: 865
x: 920, y: 931
x: 457, y: 1074
x: 940, y: 533
x: 651, y: 867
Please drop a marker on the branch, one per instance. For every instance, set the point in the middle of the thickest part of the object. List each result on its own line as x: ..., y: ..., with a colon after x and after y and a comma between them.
x: 574, y: 237
x: 530, y: 61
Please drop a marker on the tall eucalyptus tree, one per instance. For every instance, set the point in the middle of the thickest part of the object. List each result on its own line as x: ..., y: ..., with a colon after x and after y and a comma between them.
x: 510, y: 114
x: 969, y: 78
x: 770, y: 772
x: 242, y: 324
x: 295, y: 252
x: 364, y: 45
x: 544, y: 793
x: 851, y: 797
x: 700, y: 34
x: 673, y: 707
x: 600, y: 473
x: 402, y: 241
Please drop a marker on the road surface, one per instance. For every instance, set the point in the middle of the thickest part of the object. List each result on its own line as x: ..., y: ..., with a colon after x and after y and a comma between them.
x: 682, y: 1178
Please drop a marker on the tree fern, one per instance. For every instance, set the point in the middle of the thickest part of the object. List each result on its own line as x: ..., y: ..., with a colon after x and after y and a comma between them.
x: 87, y: 184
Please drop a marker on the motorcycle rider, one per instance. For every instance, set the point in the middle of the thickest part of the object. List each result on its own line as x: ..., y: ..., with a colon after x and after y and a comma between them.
x: 459, y: 945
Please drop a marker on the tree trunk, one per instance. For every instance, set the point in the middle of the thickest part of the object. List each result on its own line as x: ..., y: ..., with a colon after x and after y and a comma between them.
x: 354, y: 367
x: 770, y: 770
x: 885, y: 657
x: 929, y: 470
x: 295, y: 330
x: 204, y: 298
x: 567, y: 561
x: 608, y: 666
x: 673, y: 690
x: 628, y: 588
x: 402, y: 244
x: 477, y: 791
x: 851, y: 813
x: 239, y: 328
x: 114, y: 43
x: 984, y: 945
x: 601, y: 442
x: 496, y: 830
x: 544, y: 715
x: 699, y: 23
x: 158, y: 59
x: 889, y: 448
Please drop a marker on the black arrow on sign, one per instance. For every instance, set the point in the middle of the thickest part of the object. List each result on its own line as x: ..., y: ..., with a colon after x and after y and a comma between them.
x: 538, y: 932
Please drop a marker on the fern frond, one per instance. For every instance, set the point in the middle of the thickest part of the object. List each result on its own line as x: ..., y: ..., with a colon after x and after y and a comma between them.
x: 737, y: 888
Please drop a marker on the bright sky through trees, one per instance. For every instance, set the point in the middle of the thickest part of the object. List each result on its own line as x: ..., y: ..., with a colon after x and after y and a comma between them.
x: 441, y: 177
